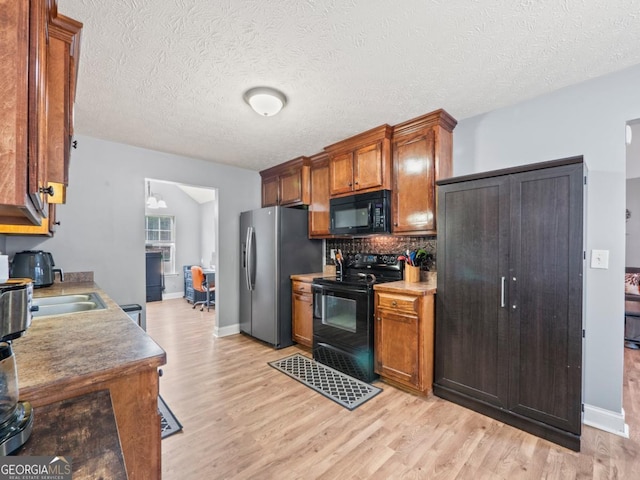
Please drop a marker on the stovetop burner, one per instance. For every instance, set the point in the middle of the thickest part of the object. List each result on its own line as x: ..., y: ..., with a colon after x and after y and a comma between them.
x: 366, y: 269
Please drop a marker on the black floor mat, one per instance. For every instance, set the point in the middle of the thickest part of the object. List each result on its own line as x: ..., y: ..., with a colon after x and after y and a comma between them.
x: 342, y: 389
x: 169, y: 424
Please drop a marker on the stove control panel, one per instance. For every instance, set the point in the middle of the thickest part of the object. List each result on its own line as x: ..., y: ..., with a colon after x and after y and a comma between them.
x: 373, y: 260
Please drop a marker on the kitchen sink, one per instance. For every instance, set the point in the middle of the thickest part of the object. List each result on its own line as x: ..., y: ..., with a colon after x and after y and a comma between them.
x: 66, y: 304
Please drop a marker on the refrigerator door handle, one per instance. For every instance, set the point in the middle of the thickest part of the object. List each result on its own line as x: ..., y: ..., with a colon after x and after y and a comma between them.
x: 249, y: 264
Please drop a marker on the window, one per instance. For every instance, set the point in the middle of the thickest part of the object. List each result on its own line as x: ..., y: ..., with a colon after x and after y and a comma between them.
x: 160, y: 235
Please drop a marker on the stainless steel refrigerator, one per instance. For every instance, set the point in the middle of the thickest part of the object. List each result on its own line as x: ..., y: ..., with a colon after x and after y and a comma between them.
x: 274, y: 245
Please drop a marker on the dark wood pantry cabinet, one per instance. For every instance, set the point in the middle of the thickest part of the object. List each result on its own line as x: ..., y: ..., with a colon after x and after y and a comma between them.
x: 509, y: 303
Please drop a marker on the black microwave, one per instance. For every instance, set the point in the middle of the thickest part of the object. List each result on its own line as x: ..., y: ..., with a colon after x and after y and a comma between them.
x: 361, y: 214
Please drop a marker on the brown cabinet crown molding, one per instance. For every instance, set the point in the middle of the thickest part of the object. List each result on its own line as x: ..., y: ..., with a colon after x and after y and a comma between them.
x: 437, y: 117
x: 361, y: 140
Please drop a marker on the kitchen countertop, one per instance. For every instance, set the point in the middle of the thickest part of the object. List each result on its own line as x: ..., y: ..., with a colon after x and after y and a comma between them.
x: 421, y: 288
x: 69, y: 352
x: 308, y: 277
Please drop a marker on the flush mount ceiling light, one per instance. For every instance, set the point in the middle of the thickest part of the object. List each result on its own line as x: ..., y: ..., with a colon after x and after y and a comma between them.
x: 265, y: 100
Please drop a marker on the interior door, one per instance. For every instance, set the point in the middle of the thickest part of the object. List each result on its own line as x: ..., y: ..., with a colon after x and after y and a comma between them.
x: 546, y: 295
x: 471, y: 324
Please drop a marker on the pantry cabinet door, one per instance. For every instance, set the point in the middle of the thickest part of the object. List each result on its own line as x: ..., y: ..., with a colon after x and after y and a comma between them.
x: 546, y: 253
x: 471, y: 314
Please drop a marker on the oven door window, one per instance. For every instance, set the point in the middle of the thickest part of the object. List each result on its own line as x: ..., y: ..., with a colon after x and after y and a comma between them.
x: 342, y: 317
x: 339, y: 312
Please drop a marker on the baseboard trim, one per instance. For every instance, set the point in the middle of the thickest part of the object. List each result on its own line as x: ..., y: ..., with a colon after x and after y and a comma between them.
x: 607, y: 420
x: 170, y: 296
x: 226, y: 331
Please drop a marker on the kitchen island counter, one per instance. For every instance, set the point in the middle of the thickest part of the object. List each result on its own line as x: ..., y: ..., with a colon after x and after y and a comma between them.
x: 64, y: 356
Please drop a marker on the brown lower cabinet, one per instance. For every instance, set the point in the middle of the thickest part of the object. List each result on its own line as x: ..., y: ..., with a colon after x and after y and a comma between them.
x: 404, y: 338
x: 509, y: 302
x: 134, y: 394
x: 302, y: 312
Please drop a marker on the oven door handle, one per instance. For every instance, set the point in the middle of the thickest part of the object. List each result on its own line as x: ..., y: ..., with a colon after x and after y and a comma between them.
x: 338, y: 288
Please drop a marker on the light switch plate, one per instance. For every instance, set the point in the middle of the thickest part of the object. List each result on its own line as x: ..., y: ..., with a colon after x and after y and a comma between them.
x: 600, y: 259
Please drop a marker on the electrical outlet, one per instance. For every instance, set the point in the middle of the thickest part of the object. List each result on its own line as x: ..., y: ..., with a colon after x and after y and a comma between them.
x: 600, y: 259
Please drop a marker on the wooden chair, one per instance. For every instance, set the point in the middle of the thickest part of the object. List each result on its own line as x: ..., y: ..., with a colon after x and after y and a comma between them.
x: 201, y: 284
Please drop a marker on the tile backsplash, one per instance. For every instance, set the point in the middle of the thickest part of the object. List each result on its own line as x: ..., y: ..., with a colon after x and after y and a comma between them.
x: 382, y: 244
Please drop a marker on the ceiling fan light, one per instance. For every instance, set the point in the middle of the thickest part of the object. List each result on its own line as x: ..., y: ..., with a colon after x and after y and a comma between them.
x: 265, y: 101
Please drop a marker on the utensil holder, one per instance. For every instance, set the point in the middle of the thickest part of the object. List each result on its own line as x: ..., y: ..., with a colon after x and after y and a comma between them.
x: 411, y: 274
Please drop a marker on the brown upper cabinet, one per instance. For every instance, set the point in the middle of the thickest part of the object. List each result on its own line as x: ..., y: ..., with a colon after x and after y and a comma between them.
x: 286, y: 184
x: 422, y: 154
x: 319, y: 205
x: 361, y: 163
x: 28, y: 61
x: 64, y: 51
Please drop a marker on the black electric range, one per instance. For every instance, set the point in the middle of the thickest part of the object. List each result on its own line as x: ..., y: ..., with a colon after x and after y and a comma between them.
x: 363, y: 270
x: 343, y: 320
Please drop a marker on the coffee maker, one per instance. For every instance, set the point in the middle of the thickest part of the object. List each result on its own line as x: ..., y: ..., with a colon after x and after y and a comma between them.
x: 16, y: 418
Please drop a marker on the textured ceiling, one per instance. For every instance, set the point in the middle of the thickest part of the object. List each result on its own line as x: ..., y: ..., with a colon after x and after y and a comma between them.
x: 169, y: 75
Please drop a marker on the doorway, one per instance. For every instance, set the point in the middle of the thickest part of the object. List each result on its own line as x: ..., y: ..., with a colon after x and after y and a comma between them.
x: 181, y: 221
x: 632, y: 238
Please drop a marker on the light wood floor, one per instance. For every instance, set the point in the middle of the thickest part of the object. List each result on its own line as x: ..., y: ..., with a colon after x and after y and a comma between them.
x: 244, y: 420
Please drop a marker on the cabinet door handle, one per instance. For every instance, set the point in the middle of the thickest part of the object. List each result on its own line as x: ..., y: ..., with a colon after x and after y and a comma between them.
x: 502, y: 293
x: 394, y: 304
x: 49, y: 190
x: 378, y: 319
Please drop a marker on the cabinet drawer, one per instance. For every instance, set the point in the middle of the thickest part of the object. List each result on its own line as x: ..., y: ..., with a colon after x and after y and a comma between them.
x: 403, y: 303
x: 300, y: 287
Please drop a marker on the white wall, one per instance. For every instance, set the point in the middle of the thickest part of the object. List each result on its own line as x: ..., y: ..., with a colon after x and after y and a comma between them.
x: 633, y: 151
x: 208, y: 216
x: 586, y: 119
x: 102, y: 223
